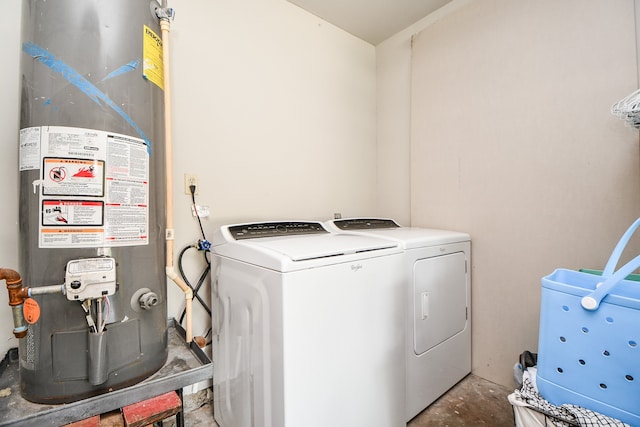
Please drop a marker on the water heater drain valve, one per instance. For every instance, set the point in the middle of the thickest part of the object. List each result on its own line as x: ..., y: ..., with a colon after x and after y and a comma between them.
x: 90, y: 278
x: 148, y: 300
x: 144, y: 299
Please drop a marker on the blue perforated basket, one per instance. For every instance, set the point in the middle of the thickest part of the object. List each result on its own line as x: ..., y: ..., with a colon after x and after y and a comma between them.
x: 589, y: 342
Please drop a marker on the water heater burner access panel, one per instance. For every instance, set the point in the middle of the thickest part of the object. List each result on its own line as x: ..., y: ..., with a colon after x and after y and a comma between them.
x: 273, y: 229
x: 365, y: 224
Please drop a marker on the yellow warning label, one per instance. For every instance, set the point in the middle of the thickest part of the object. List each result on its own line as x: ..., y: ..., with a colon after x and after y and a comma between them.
x: 152, y: 65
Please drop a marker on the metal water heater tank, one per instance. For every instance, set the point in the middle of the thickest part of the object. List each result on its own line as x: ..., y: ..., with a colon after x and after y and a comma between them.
x: 92, y: 196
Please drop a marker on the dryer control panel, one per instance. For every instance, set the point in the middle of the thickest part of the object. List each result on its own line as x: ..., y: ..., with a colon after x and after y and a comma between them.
x: 365, y: 224
x: 273, y: 229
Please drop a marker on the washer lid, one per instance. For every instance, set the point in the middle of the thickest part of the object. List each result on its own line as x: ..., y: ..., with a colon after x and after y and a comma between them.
x: 407, y: 237
x: 323, y: 246
x: 288, y: 252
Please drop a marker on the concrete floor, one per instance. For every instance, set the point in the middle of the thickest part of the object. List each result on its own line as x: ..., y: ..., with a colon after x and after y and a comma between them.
x: 472, y: 402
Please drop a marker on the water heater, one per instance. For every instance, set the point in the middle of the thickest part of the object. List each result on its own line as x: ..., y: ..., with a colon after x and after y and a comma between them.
x: 92, y: 197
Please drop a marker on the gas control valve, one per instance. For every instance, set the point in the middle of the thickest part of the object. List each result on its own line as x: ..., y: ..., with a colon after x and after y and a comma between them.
x: 90, y: 278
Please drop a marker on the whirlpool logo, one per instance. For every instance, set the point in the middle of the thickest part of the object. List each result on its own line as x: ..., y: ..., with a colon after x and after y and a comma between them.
x: 356, y: 267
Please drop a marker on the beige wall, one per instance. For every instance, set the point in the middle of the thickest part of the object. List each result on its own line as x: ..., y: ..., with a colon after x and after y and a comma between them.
x: 393, y: 100
x: 512, y: 141
x: 274, y: 110
x: 393, y: 63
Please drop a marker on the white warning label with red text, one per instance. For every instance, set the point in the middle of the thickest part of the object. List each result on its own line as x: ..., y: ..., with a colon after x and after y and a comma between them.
x: 72, y: 212
x: 72, y: 177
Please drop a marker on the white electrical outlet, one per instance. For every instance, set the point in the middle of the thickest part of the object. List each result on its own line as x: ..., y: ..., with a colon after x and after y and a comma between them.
x: 189, y: 180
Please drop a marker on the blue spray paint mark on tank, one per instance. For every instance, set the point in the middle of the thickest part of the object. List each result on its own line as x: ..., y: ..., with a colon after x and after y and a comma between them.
x: 49, y: 102
x: 126, y: 68
x: 76, y: 79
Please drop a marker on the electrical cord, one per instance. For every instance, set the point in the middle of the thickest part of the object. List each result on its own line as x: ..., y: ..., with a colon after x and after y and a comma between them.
x: 192, y: 188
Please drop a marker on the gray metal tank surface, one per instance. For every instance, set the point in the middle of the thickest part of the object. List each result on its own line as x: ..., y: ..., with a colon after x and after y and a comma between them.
x: 82, y: 66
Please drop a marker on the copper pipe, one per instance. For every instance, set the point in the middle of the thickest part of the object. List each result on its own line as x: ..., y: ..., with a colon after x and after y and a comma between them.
x: 17, y: 295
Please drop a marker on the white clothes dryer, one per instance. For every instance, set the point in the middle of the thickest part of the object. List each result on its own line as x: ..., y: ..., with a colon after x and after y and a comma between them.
x: 437, y: 283
x: 310, y: 327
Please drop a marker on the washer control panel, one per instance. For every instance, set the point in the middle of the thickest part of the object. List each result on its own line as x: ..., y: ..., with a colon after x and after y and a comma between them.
x: 365, y: 224
x: 274, y: 229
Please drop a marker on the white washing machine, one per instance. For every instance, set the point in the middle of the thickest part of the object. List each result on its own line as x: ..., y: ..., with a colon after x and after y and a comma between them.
x: 310, y: 328
x: 436, y: 277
